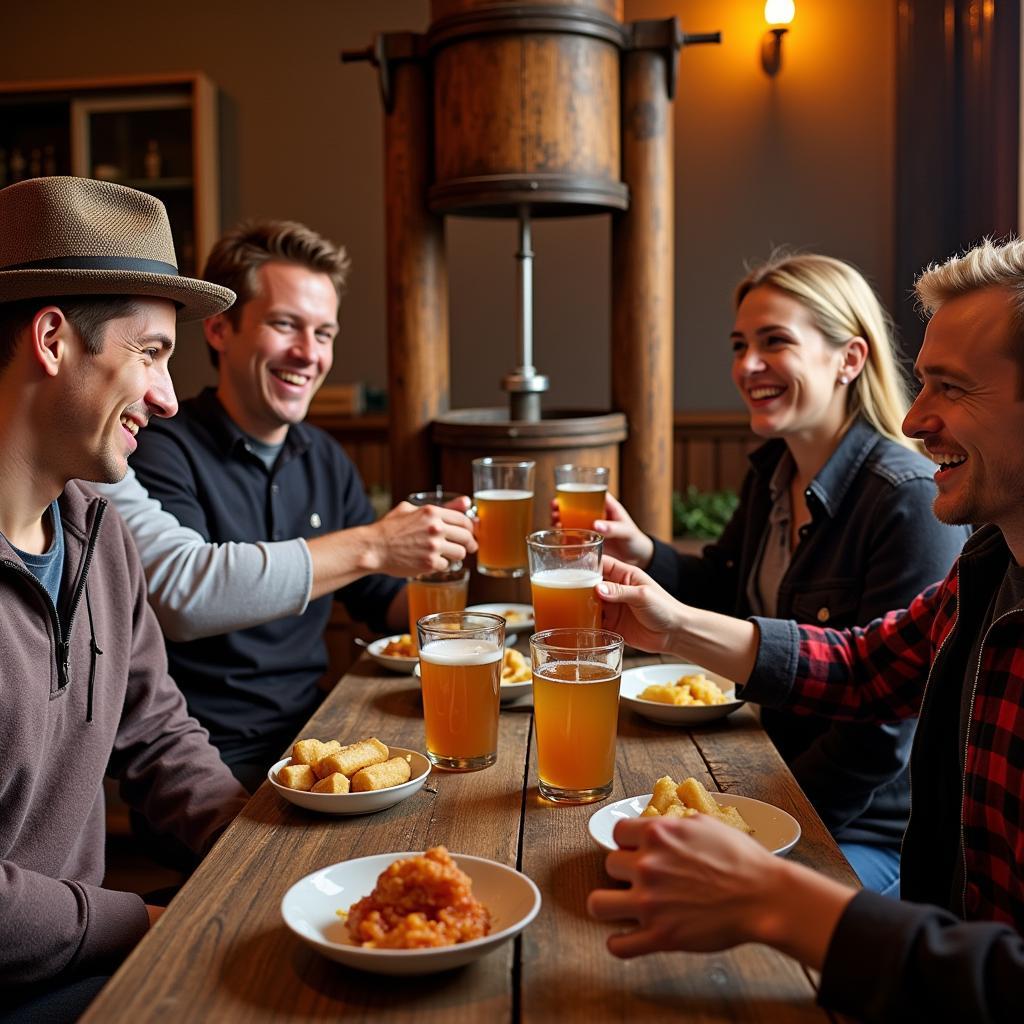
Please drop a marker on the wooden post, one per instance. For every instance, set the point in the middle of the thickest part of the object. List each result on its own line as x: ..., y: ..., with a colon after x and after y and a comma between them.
x: 417, y: 282
x: 642, y: 293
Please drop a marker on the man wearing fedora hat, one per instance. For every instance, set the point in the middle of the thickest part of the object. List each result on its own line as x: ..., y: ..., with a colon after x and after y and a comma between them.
x: 89, y: 298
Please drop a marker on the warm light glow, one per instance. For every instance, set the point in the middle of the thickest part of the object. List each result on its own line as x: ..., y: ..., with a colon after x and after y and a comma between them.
x: 779, y: 12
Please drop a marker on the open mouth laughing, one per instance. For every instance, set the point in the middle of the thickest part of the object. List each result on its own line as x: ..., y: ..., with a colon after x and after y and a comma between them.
x: 291, y: 377
x: 946, y: 461
x: 764, y: 393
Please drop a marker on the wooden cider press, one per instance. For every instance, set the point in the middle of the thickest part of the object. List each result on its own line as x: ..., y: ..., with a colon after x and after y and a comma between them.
x: 531, y: 109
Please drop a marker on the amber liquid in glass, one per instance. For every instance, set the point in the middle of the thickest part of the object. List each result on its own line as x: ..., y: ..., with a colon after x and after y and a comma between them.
x: 461, y: 683
x: 506, y: 517
x: 426, y: 596
x: 565, y: 599
x: 580, y: 504
x: 576, y: 714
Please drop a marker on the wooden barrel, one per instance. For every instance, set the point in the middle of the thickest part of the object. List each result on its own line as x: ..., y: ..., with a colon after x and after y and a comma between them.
x: 584, y: 438
x: 526, y: 107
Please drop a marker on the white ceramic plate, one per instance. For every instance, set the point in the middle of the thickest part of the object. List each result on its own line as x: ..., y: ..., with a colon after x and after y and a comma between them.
x: 309, y: 909
x: 777, y: 831
x: 634, y: 680
x: 357, y: 803
x: 509, y: 691
x: 391, y: 662
x: 518, y: 617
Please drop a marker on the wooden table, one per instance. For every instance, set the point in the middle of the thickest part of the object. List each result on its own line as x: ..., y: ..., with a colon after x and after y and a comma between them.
x: 222, y: 953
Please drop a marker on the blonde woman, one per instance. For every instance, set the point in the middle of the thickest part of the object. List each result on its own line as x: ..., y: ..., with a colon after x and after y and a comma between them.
x: 834, y: 525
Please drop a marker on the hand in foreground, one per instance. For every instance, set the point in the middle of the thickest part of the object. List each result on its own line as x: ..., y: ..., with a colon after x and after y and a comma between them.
x: 695, y: 884
x: 634, y: 606
x: 623, y: 539
x: 411, y: 540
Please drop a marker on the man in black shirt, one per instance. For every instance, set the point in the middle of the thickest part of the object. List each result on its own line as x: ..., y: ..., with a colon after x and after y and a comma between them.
x: 238, y: 464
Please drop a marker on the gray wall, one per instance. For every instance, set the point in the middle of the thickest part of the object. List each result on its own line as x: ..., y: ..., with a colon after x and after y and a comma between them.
x: 804, y: 159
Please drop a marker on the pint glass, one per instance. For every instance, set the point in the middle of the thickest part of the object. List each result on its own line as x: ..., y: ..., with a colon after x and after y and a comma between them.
x: 565, y: 566
x: 580, y: 492
x: 460, y: 674
x: 576, y: 711
x: 435, y: 591
x: 503, y: 499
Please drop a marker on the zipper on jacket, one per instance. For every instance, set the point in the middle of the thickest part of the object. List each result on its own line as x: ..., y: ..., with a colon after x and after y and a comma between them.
x: 967, y: 745
x: 62, y: 649
x: 924, y: 696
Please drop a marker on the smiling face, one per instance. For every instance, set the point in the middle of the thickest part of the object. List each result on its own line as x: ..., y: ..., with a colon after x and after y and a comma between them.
x: 970, y: 411
x: 109, y: 397
x: 272, y: 364
x: 785, y: 369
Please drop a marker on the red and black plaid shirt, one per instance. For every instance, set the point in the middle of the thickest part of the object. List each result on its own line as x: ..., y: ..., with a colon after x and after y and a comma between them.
x: 891, y: 670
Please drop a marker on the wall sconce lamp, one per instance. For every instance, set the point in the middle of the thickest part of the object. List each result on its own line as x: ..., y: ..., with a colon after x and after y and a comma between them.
x: 778, y: 14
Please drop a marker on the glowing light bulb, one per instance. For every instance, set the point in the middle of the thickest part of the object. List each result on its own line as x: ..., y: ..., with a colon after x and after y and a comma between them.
x: 779, y: 12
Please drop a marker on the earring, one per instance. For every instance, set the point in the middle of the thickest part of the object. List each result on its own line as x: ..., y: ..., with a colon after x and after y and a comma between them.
x: 843, y: 379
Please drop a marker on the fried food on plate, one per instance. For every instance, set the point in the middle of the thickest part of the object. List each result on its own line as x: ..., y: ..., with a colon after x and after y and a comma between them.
x: 418, y: 903
x: 514, y: 668
x: 359, y: 767
x: 689, y: 797
x: 403, y: 647
x: 686, y: 691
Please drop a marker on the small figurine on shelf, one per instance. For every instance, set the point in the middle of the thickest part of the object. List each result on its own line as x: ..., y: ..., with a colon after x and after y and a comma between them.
x: 153, y: 161
x: 49, y: 160
x: 3, y: 167
x: 17, y: 165
x: 35, y: 163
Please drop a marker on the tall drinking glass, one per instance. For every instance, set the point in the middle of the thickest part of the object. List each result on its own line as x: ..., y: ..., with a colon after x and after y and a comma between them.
x: 580, y: 492
x: 565, y: 566
x: 503, y: 498
x: 460, y: 675
x: 576, y: 711
x: 435, y: 591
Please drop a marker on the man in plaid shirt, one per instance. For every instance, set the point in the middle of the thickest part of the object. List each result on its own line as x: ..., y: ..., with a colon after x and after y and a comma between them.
x: 952, y: 949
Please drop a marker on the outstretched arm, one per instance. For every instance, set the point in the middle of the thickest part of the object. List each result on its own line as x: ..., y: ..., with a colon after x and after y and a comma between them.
x: 648, y: 618
x: 198, y: 588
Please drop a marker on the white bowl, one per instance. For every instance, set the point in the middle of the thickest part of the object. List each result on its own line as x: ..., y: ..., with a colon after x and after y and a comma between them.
x: 357, y: 803
x: 775, y: 829
x: 521, y: 620
x: 392, y: 662
x: 509, y: 691
x: 634, y: 680
x: 309, y: 909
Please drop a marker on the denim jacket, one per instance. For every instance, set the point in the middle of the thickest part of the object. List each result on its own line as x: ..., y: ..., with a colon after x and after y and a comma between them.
x: 871, y: 546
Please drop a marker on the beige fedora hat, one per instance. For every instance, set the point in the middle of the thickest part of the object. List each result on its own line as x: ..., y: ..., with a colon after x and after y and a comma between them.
x: 76, y: 236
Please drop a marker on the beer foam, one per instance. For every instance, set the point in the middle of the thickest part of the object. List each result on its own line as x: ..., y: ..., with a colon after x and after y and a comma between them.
x: 581, y: 488
x: 501, y: 495
x: 461, y: 651
x: 566, y: 579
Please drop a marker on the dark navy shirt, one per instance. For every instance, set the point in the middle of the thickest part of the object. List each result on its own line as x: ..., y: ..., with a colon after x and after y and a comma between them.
x: 261, y: 681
